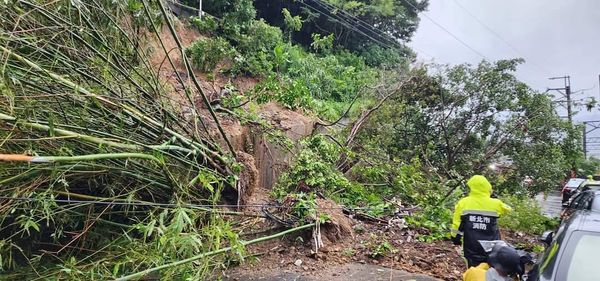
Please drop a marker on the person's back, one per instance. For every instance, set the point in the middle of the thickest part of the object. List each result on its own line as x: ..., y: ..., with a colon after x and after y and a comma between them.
x: 475, y: 218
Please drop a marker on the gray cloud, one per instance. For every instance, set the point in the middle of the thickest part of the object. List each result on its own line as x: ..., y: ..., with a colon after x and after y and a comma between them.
x: 555, y: 37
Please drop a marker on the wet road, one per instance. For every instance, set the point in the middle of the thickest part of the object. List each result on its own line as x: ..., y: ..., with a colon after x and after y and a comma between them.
x: 347, y: 272
x: 551, y: 204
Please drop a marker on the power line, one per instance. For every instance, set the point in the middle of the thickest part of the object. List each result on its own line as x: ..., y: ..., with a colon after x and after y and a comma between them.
x: 493, y: 32
x: 365, y: 25
x: 344, y: 19
x: 361, y: 22
x: 346, y: 24
x: 449, y: 33
x: 204, y: 207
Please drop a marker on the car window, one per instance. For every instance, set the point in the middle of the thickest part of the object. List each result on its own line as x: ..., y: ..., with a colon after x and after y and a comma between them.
x: 592, y: 186
x: 586, y: 201
x: 596, y: 203
x: 579, y: 261
x: 574, y: 183
x: 577, y: 201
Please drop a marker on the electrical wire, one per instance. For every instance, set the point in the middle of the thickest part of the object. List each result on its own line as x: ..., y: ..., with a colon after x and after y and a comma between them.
x: 448, y: 31
x: 207, y: 207
x: 345, y: 24
x: 368, y: 27
x: 497, y: 35
x: 361, y: 23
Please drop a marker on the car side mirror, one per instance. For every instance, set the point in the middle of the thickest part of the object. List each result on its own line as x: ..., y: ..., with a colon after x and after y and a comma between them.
x: 546, y: 237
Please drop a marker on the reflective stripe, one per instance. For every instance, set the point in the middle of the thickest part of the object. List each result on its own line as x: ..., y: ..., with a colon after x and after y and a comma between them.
x: 457, y: 232
x: 478, y: 212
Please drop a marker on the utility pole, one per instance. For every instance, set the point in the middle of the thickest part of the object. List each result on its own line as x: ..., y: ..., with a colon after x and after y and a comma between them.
x: 594, y: 124
x: 585, y: 140
x: 200, y: 9
x: 566, y: 94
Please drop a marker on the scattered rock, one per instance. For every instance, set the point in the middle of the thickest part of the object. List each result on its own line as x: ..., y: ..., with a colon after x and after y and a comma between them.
x: 298, y: 262
x: 359, y: 228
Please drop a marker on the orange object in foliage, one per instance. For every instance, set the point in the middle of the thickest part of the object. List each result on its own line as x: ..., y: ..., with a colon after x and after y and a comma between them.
x: 15, y: 157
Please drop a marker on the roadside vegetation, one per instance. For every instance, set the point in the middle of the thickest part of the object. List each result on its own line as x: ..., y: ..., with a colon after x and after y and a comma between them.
x: 391, y: 134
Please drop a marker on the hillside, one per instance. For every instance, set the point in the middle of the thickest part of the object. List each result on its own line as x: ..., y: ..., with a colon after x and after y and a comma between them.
x: 140, y: 142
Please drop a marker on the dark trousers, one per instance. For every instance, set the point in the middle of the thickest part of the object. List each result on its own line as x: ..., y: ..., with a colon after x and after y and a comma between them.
x: 474, y: 261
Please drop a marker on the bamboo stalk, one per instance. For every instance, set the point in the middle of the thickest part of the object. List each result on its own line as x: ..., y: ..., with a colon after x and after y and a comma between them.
x: 162, y: 44
x: 191, y: 74
x: 131, y: 112
x: 67, y: 133
x: 212, y: 253
x: 89, y: 157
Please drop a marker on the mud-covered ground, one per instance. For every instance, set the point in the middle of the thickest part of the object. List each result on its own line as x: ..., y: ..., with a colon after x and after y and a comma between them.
x: 370, y: 250
x: 374, y: 244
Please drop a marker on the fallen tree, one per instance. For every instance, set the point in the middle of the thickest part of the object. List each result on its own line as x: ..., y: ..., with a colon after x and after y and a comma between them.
x: 101, y: 174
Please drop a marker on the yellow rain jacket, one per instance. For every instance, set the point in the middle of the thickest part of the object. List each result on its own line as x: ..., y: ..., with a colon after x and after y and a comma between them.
x: 476, y: 218
x: 476, y: 273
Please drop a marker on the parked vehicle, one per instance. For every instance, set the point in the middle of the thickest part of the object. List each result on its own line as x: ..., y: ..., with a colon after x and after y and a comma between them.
x: 585, y: 185
x: 586, y: 200
x: 568, y: 188
x: 571, y: 253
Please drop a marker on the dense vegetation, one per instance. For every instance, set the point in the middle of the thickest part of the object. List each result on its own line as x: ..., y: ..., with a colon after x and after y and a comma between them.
x: 87, y: 98
x: 417, y: 133
x: 99, y: 167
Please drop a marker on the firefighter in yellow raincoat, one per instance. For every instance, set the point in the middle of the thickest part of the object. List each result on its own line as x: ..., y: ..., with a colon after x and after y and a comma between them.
x: 476, y: 218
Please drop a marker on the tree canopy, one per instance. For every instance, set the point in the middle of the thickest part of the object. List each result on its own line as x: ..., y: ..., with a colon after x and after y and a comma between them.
x: 463, y: 118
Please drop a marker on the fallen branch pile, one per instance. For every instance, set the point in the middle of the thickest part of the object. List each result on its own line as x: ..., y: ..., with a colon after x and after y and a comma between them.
x: 84, y: 115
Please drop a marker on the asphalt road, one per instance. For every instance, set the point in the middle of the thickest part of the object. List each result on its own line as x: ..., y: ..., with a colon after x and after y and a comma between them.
x: 347, y: 272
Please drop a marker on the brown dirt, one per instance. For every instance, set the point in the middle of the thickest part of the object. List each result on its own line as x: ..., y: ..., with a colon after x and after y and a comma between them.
x: 248, y: 176
x: 272, y: 159
x: 237, y: 134
x: 295, y: 124
x: 440, y: 259
x: 338, y: 226
x: 211, y: 87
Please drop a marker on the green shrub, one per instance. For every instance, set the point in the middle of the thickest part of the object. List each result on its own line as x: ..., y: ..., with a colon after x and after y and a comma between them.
x: 206, y: 53
x: 292, y: 23
x: 314, y: 168
x: 328, y: 77
x: 237, y: 16
x: 322, y: 44
x: 257, y: 48
x: 435, y: 218
x: 206, y: 25
x: 526, y: 216
x: 377, y: 56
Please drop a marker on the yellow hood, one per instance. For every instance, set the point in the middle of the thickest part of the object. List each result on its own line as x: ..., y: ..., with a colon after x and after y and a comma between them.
x: 479, y: 186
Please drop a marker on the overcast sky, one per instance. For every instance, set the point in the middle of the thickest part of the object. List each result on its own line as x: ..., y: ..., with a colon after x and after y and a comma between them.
x: 555, y: 37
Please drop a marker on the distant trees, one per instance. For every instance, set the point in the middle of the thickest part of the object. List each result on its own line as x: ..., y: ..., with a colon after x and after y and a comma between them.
x: 374, y: 29
x: 461, y: 119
